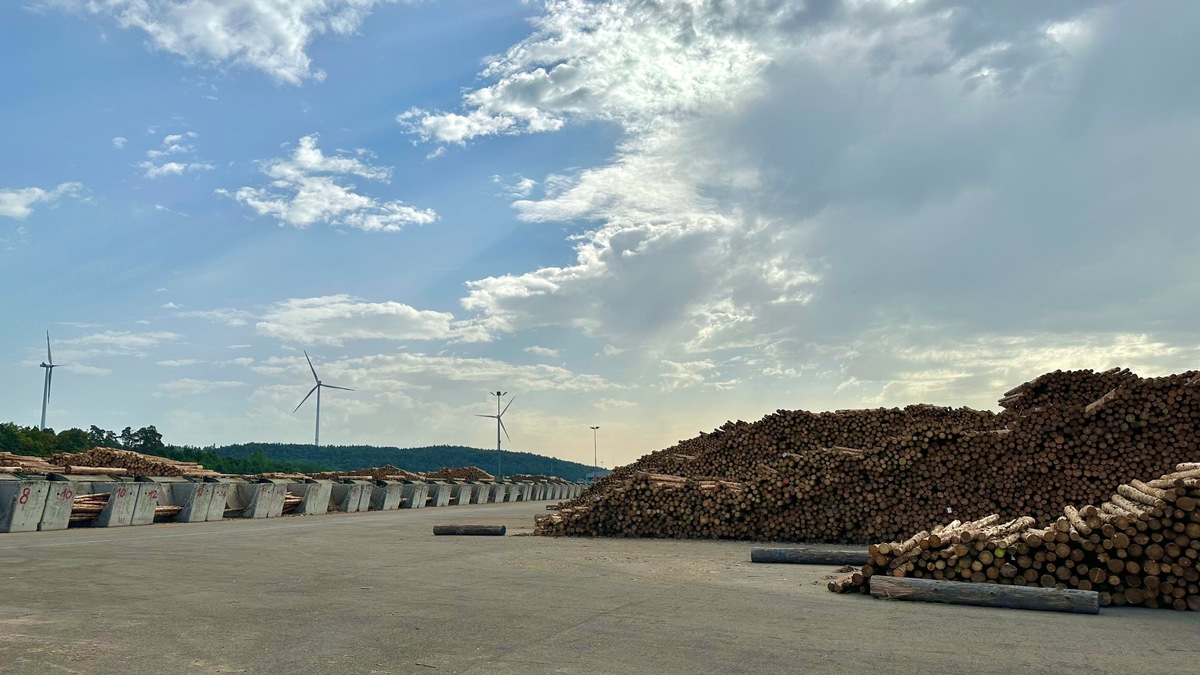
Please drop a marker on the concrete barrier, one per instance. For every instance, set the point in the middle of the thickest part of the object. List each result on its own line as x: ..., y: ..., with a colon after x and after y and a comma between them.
x: 148, y: 497
x: 495, y: 493
x: 347, y: 497
x: 118, y: 512
x: 439, y: 494
x: 481, y: 493
x: 194, y: 498
x: 364, y: 497
x: 222, y: 494
x: 22, y: 504
x: 415, y: 495
x: 261, y: 500
x: 315, y: 497
x: 386, y: 495
x: 462, y: 493
x: 59, y: 500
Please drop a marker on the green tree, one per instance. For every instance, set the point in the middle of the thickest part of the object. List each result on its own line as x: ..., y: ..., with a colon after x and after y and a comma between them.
x: 102, y: 438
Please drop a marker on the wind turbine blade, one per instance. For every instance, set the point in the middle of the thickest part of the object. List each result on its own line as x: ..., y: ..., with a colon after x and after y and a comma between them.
x: 510, y: 401
x: 330, y: 386
x: 49, y: 376
x: 491, y: 416
x: 49, y: 358
x: 310, y: 392
x: 310, y: 367
x: 505, y: 429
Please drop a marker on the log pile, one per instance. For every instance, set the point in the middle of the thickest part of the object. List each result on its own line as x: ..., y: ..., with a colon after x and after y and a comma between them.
x: 877, y: 475
x: 1141, y: 547
x: 535, y: 478
x: 11, y: 463
x: 106, y: 460
x: 461, y: 473
x: 87, y: 507
x: 386, y: 472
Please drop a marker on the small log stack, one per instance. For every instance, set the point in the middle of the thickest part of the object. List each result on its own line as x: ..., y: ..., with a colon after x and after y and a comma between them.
x: 1141, y: 547
x: 461, y: 473
x: 107, y: 460
x: 87, y: 507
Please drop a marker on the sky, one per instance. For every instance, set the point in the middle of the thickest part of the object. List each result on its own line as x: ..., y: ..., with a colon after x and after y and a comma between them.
x: 650, y: 216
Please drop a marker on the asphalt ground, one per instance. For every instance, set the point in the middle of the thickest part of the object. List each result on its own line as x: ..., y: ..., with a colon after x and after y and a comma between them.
x: 378, y: 593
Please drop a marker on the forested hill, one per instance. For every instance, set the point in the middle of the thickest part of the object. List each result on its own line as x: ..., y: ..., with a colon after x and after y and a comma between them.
x: 431, y: 458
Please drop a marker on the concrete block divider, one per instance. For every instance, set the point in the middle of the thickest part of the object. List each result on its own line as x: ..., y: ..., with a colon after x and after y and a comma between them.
x: 122, y: 498
x: 223, y: 498
x: 415, y: 494
x: 386, y: 495
x: 461, y: 493
x: 315, y: 497
x: 22, y: 504
x: 146, y: 501
x: 439, y: 494
x: 481, y: 493
x: 263, y: 499
x: 364, y: 497
x: 347, y: 497
x: 195, y: 498
x: 59, y: 500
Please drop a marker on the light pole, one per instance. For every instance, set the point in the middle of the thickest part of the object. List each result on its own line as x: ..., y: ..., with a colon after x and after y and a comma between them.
x: 595, y: 455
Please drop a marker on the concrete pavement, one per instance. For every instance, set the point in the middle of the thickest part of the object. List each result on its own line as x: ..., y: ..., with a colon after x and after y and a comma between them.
x: 378, y: 593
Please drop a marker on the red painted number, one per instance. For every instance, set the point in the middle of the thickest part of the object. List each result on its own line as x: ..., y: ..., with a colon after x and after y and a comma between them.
x: 154, y: 494
x: 67, y: 494
x: 120, y: 492
x: 24, y: 498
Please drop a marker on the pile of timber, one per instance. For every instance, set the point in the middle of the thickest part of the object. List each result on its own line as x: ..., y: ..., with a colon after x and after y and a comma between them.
x: 125, y: 462
x: 535, y: 478
x: 87, y: 507
x: 461, y: 473
x: 386, y: 472
x: 876, y: 475
x: 1141, y: 547
x: 11, y: 463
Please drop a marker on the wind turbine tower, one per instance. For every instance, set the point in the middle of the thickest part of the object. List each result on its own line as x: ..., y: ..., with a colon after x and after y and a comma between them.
x: 48, y: 364
x: 317, y: 388
x: 500, y: 426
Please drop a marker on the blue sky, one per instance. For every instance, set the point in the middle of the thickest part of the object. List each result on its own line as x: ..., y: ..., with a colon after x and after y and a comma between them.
x: 648, y: 216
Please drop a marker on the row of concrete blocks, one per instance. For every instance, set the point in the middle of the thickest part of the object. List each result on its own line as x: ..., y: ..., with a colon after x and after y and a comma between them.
x: 27, y: 506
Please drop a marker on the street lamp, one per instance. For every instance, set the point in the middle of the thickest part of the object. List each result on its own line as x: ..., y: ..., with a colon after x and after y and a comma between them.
x: 595, y: 455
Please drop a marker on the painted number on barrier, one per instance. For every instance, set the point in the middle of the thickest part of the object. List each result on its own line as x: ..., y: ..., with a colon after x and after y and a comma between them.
x: 120, y: 492
x: 24, y: 498
x: 67, y: 494
x: 154, y: 494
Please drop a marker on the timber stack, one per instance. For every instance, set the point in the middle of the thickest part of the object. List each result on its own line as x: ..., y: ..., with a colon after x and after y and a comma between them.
x: 126, y: 462
x: 386, y: 472
x: 878, y: 475
x: 461, y: 473
x: 1141, y: 547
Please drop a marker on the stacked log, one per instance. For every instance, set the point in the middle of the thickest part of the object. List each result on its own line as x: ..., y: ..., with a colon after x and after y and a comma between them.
x: 386, y: 472
x: 461, y: 473
x: 12, y: 463
x: 87, y: 507
x: 1141, y: 547
x: 106, y: 460
x: 876, y: 475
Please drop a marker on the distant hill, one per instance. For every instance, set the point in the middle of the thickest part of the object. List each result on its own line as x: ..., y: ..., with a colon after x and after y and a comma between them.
x: 430, y: 458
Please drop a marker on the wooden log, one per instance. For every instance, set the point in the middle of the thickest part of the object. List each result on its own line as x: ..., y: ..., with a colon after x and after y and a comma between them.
x: 808, y: 556
x: 986, y: 595
x: 470, y: 530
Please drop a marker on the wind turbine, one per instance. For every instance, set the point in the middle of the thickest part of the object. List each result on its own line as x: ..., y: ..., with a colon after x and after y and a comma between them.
x: 500, y: 425
x: 48, y: 364
x: 317, y: 388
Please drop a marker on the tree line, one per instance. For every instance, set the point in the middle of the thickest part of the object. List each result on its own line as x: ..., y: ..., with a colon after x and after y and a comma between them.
x: 248, y: 458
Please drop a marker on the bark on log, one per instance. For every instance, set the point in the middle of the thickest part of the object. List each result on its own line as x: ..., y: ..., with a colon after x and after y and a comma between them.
x: 808, y: 556
x: 470, y: 530
x: 987, y: 595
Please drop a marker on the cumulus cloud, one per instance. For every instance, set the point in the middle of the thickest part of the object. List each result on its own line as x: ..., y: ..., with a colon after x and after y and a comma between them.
x: 336, y: 319
x: 18, y: 203
x: 542, y: 351
x: 226, y: 316
x: 178, y: 147
x: 272, y: 36
x: 175, y: 363
x: 309, y: 187
x: 792, y: 176
x: 118, y: 142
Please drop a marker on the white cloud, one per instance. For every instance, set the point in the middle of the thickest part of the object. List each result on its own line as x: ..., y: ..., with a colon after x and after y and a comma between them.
x: 542, y: 351
x: 227, y: 316
x: 122, y: 342
x: 18, y: 203
x: 336, y: 319
x: 175, y: 363
x: 173, y: 145
x: 268, y: 35
x: 191, y: 387
x: 306, y: 188
x: 685, y: 374
x: 118, y: 142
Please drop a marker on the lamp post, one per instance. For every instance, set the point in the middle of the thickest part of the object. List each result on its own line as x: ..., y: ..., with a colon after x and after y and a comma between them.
x: 595, y: 455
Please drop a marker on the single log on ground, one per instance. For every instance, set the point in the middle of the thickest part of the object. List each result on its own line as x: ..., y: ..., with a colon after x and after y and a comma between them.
x: 471, y: 530
x: 809, y: 556
x: 986, y: 595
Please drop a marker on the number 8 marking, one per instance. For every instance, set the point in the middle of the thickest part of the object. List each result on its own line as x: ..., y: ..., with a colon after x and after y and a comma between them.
x: 24, y: 498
